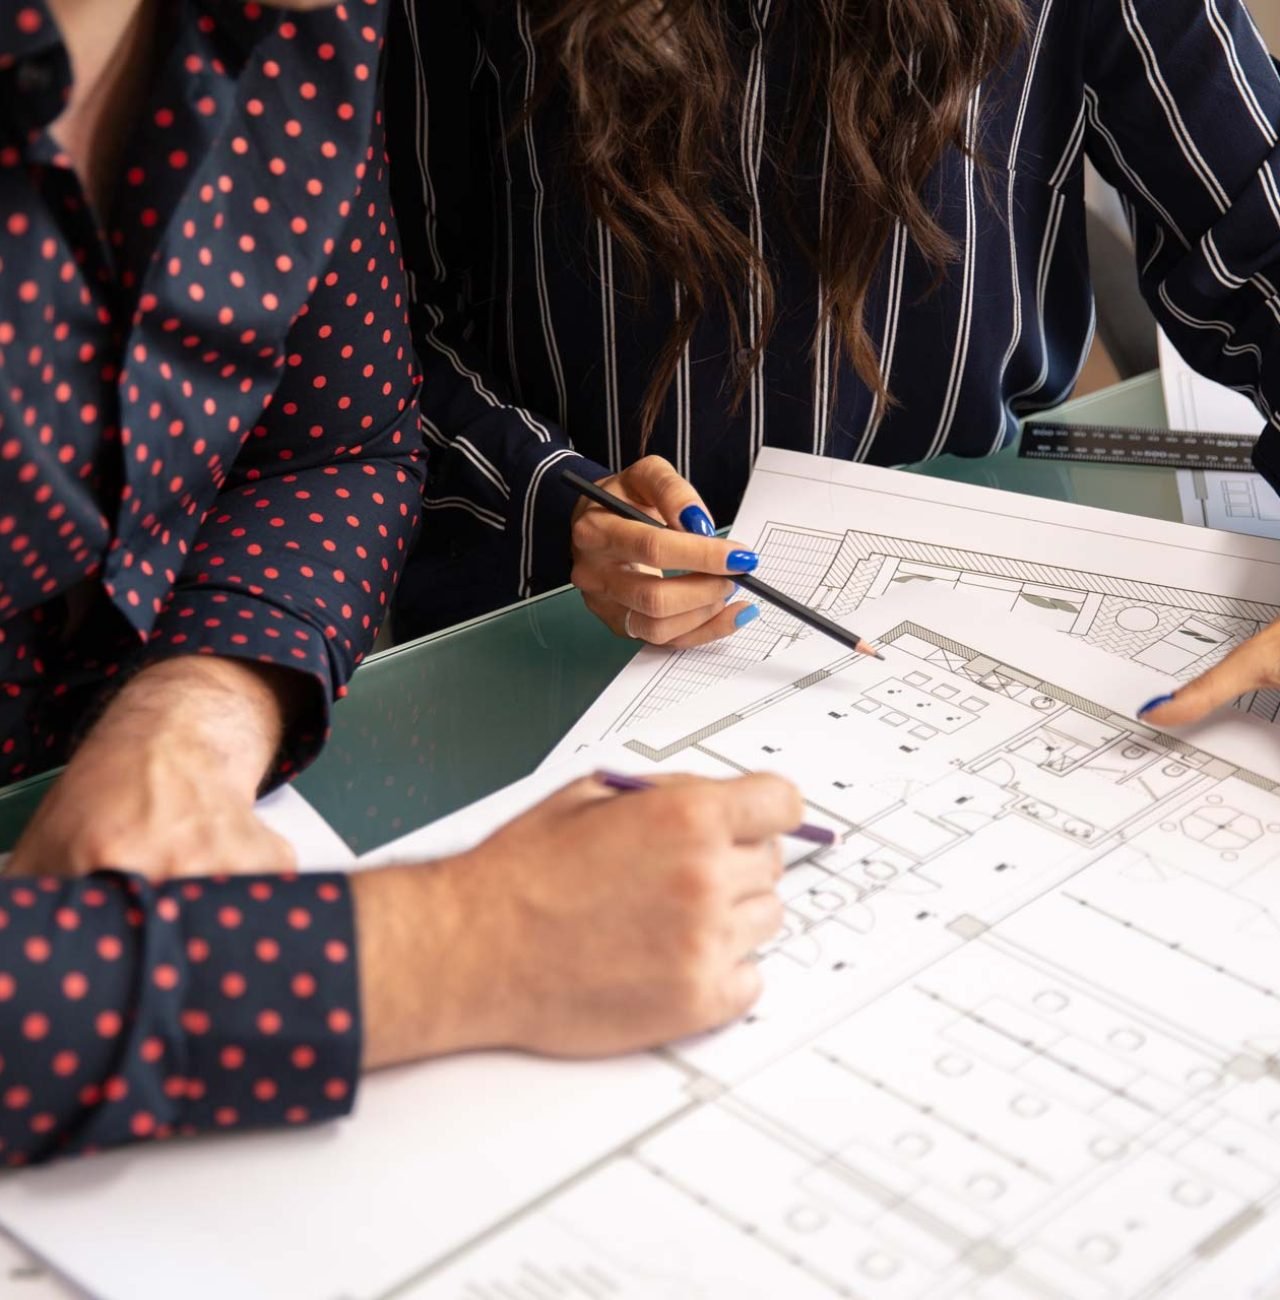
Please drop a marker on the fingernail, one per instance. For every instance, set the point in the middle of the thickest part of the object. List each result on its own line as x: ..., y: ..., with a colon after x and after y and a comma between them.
x: 742, y: 561
x: 1154, y: 704
x: 733, y: 595
x: 694, y: 519
x: 748, y: 615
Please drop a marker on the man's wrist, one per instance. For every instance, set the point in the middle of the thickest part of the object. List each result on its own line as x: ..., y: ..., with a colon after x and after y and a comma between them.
x: 226, y: 713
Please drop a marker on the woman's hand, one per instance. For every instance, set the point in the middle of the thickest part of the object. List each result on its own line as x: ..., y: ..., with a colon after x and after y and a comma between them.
x: 1253, y: 666
x: 618, y: 565
x: 165, y: 783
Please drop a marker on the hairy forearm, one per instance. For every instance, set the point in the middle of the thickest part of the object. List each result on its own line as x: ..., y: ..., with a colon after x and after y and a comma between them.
x: 233, y: 712
x: 422, y: 991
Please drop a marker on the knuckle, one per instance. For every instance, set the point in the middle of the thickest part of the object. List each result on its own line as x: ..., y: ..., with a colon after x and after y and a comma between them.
x: 648, y: 547
x: 694, y: 816
x: 651, y: 598
x: 695, y: 885
x: 587, y: 533
x: 586, y: 577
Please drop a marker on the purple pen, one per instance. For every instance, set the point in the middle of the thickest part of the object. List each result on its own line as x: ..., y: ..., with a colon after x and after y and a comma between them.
x: 805, y: 831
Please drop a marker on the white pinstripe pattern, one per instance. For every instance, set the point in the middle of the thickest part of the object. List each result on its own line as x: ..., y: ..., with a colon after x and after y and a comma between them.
x: 1015, y: 144
x: 889, y: 343
x: 490, y: 518
x: 539, y: 202
x: 421, y: 133
x: 609, y: 344
x: 960, y: 359
x: 752, y: 147
x: 822, y: 338
x: 512, y: 368
x: 527, y: 517
x: 1201, y: 259
x: 1186, y: 143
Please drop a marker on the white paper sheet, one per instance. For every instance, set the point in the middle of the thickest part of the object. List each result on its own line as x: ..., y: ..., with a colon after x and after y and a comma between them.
x: 1235, y: 501
x: 1238, y: 503
x: 318, y: 846
x: 1009, y: 1047
x: 1018, y: 1036
x: 837, y: 535
x: 1195, y: 404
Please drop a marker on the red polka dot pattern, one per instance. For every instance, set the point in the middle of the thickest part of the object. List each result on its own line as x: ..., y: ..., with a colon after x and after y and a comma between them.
x: 130, y: 1040
x: 208, y: 417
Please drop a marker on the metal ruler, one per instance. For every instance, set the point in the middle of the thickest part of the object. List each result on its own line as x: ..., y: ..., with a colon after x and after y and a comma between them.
x: 1160, y: 448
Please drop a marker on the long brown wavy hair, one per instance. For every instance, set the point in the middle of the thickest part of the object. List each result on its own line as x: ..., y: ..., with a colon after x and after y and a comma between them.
x: 655, y: 96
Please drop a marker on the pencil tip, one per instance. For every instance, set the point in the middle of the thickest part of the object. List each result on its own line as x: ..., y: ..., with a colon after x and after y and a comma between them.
x: 879, y: 656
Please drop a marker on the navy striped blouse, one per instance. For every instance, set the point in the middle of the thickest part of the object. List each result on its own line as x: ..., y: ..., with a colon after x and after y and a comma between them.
x: 538, y: 347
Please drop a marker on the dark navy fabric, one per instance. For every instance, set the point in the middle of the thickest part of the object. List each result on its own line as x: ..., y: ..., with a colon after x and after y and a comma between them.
x: 538, y: 342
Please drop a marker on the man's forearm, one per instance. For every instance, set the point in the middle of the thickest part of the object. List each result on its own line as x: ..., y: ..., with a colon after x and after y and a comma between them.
x: 233, y: 710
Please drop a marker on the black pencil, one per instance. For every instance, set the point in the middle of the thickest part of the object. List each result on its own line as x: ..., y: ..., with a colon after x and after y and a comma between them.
x: 747, y: 581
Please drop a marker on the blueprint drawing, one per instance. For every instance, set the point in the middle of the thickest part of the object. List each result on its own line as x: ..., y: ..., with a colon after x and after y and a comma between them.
x: 1020, y: 1035
x: 837, y: 535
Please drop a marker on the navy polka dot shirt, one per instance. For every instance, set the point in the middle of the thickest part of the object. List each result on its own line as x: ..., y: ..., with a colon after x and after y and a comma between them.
x: 208, y: 445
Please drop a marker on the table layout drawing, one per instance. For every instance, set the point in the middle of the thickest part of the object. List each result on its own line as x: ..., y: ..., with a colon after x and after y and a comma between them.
x: 1021, y: 1032
x: 1156, y: 593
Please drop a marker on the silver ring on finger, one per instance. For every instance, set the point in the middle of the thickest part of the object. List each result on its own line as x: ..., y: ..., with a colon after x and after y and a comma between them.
x: 626, y: 626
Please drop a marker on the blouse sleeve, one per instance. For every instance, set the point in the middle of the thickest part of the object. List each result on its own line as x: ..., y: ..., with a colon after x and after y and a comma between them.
x: 1182, y: 108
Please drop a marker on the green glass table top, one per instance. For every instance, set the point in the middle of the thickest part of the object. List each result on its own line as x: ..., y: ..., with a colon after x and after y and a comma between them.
x: 434, y: 724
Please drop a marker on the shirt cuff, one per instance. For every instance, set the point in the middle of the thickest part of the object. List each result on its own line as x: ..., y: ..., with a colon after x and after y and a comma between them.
x: 141, y: 1012
x: 263, y: 1027
x: 232, y: 625
x: 544, y: 518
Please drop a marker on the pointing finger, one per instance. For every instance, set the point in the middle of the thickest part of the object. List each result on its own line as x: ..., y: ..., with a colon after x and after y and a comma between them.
x: 1249, y: 667
x: 627, y: 542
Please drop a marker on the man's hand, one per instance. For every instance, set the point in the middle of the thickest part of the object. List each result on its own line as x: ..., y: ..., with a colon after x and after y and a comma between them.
x: 618, y: 564
x: 165, y: 783
x: 1253, y: 666
x: 596, y: 923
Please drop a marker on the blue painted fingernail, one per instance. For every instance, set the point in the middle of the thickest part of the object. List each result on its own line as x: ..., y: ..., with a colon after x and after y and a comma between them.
x: 694, y: 519
x: 748, y: 615
x: 1154, y: 704
x: 733, y: 595
x: 742, y: 561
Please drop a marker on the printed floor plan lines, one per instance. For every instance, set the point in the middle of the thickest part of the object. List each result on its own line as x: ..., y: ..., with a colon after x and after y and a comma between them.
x: 838, y: 536
x: 1178, y: 632
x: 1020, y: 1038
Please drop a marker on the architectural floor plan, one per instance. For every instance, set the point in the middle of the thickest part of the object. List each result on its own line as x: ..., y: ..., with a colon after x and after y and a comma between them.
x: 835, y: 535
x: 1021, y: 1036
